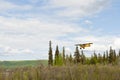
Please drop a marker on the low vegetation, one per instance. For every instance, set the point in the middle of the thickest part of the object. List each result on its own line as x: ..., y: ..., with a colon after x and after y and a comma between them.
x: 26, y: 63
x: 69, y: 72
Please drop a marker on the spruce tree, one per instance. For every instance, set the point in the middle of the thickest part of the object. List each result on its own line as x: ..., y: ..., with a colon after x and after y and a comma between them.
x: 93, y: 60
x: 64, y: 55
x: 77, y: 55
x: 114, y: 55
x: 56, y: 55
x: 95, y: 55
x: 104, y: 58
x: 67, y: 59
x: 70, y: 58
x: 50, y: 60
x: 111, y: 55
x: 83, y: 59
x: 107, y: 56
x: 99, y: 58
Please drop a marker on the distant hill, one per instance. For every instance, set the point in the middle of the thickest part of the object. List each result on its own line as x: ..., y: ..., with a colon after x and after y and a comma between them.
x: 14, y: 64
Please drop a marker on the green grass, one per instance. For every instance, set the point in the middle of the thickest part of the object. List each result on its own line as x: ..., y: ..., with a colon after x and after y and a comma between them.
x: 26, y: 63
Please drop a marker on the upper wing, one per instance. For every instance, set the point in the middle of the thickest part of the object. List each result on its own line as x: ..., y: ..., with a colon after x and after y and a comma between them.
x: 84, y: 45
x: 87, y: 44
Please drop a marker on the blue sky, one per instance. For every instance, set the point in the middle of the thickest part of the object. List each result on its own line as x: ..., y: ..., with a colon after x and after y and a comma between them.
x: 26, y: 26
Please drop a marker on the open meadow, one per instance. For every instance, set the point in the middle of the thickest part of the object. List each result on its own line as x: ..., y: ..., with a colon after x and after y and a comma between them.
x: 25, y: 63
x: 68, y: 72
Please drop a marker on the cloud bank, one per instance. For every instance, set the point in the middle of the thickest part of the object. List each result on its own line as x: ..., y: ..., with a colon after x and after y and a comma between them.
x: 27, y: 27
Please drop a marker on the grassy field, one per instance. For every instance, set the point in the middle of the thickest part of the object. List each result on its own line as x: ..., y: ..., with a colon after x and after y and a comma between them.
x: 26, y: 63
x: 72, y: 72
x: 33, y: 70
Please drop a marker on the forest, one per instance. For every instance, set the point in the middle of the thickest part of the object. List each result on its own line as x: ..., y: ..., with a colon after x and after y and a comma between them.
x: 109, y: 57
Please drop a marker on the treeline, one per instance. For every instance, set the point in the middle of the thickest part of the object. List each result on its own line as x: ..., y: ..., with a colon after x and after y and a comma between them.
x: 109, y: 57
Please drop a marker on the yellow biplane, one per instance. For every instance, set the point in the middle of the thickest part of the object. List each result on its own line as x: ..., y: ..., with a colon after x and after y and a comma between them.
x: 82, y: 46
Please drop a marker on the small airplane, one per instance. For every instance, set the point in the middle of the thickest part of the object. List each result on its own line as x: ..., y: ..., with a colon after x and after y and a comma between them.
x: 82, y: 46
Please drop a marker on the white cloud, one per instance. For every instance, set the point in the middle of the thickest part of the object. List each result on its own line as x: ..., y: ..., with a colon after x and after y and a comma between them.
x: 78, y: 8
x: 116, y: 43
x: 31, y: 33
x: 88, y: 22
x: 26, y: 35
x: 6, y: 50
x: 33, y: 1
x: 5, y: 6
x: 34, y: 26
x: 72, y: 9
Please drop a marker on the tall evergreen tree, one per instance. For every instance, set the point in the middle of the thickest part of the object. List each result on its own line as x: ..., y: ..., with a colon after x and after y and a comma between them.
x: 56, y: 55
x: 67, y: 58
x: 107, y: 56
x: 99, y: 58
x: 104, y: 58
x: 63, y: 55
x: 93, y: 60
x: 77, y: 55
x: 95, y: 55
x: 83, y: 59
x: 50, y: 60
x: 111, y: 55
x: 70, y: 58
x: 114, y: 55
